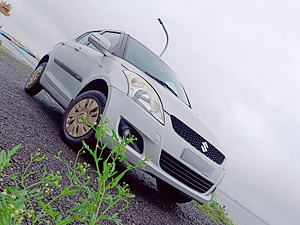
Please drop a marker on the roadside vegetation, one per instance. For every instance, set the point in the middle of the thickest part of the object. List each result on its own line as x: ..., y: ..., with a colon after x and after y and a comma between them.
x: 19, y: 66
x: 5, y: 52
x: 216, y: 212
x: 22, y: 67
x: 90, y: 197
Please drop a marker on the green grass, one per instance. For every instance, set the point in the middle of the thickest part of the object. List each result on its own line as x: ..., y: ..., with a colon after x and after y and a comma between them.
x: 216, y: 212
x: 19, y: 66
x: 6, y: 52
x: 22, y: 67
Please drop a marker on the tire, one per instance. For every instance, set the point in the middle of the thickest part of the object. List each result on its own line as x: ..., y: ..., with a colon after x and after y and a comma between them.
x: 32, y: 85
x: 74, y: 131
x: 171, y: 193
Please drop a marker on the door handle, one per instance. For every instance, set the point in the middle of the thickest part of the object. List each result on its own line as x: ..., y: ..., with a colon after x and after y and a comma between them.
x: 77, y: 49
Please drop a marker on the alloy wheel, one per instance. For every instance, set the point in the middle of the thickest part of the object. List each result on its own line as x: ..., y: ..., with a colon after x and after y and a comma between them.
x: 34, y: 76
x: 87, y: 108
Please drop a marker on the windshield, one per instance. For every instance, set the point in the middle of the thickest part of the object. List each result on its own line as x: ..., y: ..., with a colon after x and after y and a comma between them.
x: 138, y: 55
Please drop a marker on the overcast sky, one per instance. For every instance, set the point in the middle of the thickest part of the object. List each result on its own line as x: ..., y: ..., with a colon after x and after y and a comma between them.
x: 239, y: 62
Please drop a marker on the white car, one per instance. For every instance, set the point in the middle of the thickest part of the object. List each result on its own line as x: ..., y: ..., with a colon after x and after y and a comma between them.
x: 109, y: 73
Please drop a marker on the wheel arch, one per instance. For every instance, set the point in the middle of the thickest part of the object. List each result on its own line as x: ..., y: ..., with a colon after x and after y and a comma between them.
x: 97, y: 85
x: 44, y: 59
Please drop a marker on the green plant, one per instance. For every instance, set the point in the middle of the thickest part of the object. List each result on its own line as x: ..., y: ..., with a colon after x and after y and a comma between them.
x: 216, y: 212
x: 4, y: 157
x: 92, y: 193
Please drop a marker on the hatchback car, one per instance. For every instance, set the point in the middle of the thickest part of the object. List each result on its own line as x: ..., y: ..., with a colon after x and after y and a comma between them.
x: 109, y: 73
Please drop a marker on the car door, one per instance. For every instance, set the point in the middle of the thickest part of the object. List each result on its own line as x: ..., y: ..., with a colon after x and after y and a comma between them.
x: 74, y: 61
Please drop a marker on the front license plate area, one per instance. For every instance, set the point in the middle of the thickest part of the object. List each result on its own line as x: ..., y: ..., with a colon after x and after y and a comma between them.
x: 197, y: 162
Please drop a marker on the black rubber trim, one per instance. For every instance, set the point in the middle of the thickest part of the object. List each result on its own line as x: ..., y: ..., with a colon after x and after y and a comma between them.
x: 68, y: 69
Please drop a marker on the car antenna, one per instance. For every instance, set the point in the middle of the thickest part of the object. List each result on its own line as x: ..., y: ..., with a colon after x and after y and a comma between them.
x: 159, y: 20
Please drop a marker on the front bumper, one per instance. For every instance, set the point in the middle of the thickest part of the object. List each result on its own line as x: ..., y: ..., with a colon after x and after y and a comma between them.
x: 173, y: 159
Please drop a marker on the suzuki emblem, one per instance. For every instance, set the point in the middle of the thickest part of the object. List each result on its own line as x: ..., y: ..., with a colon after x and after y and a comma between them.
x: 204, y: 146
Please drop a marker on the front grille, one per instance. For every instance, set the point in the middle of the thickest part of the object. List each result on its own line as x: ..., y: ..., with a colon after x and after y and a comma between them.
x: 184, y: 174
x: 196, y: 140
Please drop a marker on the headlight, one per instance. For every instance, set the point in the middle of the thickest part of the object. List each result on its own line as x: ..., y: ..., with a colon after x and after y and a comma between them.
x: 142, y: 92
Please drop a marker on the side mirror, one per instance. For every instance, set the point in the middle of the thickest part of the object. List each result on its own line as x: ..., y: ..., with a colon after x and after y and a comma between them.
x: 100, y: 42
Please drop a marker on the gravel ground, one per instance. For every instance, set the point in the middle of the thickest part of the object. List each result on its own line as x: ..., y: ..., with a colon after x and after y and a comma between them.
x: 35, y: 122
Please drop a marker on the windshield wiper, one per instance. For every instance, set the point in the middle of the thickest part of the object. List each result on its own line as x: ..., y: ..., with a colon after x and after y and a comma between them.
x: 161, y: 82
